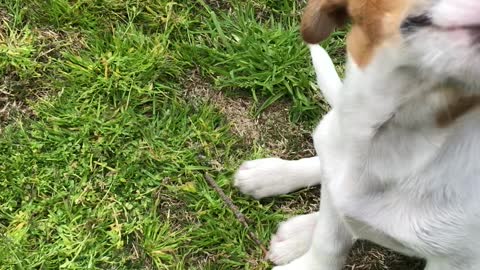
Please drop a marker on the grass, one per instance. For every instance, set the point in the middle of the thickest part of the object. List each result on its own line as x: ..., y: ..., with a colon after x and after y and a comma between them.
x: 102, y: 156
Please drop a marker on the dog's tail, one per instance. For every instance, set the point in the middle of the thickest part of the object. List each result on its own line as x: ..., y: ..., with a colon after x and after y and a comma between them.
x: 327, y: 77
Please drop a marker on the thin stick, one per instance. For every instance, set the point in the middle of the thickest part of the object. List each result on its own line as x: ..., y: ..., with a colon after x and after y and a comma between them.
x: 240, y: 217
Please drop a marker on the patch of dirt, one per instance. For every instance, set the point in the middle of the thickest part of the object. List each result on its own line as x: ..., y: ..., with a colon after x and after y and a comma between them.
x: 4, y: 17
x: 272, y: 130
x: 52, y: 43
x: 368, y: 256
x: 172, y: 207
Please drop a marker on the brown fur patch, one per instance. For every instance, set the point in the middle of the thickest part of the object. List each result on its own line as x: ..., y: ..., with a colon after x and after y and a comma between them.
x: 320, y: 18
x: 457, y: 107
x: 375, y: 22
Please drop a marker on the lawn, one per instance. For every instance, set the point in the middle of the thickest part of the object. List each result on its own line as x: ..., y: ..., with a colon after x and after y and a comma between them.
x: 112, y: 111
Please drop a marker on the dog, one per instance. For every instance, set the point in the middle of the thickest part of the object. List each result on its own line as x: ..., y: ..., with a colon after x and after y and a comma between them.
x: 398, y: 153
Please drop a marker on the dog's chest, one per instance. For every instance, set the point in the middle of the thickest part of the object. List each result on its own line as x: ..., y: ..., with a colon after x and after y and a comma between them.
x: 393, y: 155
x: 364, y: 190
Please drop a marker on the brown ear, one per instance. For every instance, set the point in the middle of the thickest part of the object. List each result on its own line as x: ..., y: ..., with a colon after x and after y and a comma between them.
x: 321, y: 17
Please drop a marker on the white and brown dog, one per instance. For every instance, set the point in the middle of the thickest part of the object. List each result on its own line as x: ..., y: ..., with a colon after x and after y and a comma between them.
x: 399, y: 153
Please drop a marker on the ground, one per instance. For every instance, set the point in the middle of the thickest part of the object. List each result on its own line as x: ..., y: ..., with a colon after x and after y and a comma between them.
x: 112, y: 111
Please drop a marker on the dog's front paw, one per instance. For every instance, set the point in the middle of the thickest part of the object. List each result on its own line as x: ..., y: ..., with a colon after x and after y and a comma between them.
x: 264, y: 177
x: 293, y: 239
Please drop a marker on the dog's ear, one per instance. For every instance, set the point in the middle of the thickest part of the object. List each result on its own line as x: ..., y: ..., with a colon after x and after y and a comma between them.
x: 321, y: 17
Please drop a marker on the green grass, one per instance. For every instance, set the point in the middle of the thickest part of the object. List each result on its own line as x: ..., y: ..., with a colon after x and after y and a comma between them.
x: 106, y: 170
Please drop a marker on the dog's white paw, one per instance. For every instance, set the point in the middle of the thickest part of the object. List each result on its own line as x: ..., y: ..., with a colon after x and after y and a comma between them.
x: 293, y: 239
x: 264, y: 177
x: 273, y: 176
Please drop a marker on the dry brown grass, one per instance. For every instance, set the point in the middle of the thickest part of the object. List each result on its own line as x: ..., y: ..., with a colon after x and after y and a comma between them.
x: 368, y: 256
x: 272, y: 130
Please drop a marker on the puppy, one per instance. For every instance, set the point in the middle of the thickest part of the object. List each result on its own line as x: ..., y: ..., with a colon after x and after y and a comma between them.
x: 397, y: 156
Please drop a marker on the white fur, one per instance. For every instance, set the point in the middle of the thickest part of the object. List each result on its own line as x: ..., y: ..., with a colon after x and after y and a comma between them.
x: 293, y: 238
x: 257, y: 177
x: 327, y: 77
x: 389, y: 174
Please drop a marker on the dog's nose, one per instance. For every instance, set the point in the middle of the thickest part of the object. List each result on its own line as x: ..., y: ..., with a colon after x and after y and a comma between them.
x: 411, y: 24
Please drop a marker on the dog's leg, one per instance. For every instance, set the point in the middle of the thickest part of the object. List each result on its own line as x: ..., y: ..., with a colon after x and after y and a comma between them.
x: 453, y: 263
x: 327, y: 77
x: 292, y: 239
x: 330, y: 243
x: 273, y: 176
